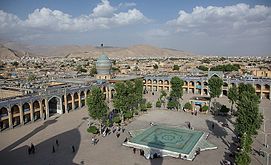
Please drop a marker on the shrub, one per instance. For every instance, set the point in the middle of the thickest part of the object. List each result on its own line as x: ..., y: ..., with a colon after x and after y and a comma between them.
x: 224, y: 109
x: 136, y: 112
x: 149, y: 105
x: 108, y: 123
x: 205, y: 108
x: 188, y: 106
x: 158, y: 104
x: 128, y: 115
x: 143, y: 107
x: 116, y: 119
x: 93, y: 129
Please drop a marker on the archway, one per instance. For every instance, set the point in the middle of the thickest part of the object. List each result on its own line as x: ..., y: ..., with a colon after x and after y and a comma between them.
x: 4, y: 118
x: 76, y: 100
x: 36, y: 108
x: 55, y: 106
x: 26, y: 110
x: 225, y: 92
x: 69, y: 102
x: 82, y: 96
x: 15, y: 115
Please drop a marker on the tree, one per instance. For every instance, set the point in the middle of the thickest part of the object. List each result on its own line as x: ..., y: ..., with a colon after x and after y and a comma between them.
x: 97, y: 106
x: 93, y: 71
x: 176, y: 67
x: 128, y: 95
x: 158, y: 104
x: 215, y: 89
x: 31, y: 77
x: 176, y: 92
x: 233, y: 95
x: 15, y: 64
x: 248, y: 117
x: 215, y: 84
x: 188, y: 106
x: 203, y: 68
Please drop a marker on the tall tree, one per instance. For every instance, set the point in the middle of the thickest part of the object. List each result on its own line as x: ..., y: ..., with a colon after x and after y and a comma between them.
x: 248, y: 117
x: 176, y: 92
x: 97, y: 106
x: 233, y: 95
x: 215, y: 86
x: 128, y: 95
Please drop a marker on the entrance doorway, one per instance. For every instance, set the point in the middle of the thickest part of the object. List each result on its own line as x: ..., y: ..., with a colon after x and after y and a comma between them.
x: 54, y: 106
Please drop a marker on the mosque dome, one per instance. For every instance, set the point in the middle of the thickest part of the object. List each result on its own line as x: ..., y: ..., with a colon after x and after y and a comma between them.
x: 103, y: 65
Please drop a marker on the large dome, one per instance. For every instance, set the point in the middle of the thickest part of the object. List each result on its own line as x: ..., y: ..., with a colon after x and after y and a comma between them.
x: 103, y: 65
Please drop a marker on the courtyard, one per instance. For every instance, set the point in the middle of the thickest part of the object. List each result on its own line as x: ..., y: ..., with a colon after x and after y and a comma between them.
x: 70, y: 130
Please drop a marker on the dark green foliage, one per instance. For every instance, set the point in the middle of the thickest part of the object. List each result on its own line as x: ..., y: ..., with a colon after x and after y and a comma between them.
x: 233, y: 95
x: 242, y: 157
x: 176, y: 93
x: 93, y: 129
x: 128, y: 115
x: 163, y: 94
x: 97, y: 106
x: 226, y: 68
x: 115, y: 69
x: 245, y: 88
x: 15, y: 63
x: 149, y: 104
x: 158, y: 104
x: 176, y: 67
x: 116, y: 119
x: 215, y: 86
x: 128, y: 95
x: 143, y: 107
x: 188, y: 106
x: 248, y: 117
x: 93, y: 71
x: 224, y: 109
x: 203, y: 68
x: 205, y: 108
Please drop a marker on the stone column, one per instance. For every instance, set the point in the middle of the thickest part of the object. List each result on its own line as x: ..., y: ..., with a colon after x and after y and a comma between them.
x: 21, y: 114
x: 31, y: 112
x: 85, y: 97
x: 73, y: 101
x: 46, y: 108
x: 79, y: 101
x: 41, y: 110
x: 10, y: 123
x: 66, y: 104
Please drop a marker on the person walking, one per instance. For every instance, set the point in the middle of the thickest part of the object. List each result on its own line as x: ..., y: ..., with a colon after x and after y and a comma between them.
x: 32, y: 148
x: 213, y: 125
x: 53, y: 151
x: 73, y: 148
x: 57, y: 144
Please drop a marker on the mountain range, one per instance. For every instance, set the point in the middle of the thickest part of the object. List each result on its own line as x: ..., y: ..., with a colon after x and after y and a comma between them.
x: 10, y: 50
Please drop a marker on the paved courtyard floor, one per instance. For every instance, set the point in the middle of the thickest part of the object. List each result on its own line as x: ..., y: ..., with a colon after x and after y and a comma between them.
x: 70, y: 129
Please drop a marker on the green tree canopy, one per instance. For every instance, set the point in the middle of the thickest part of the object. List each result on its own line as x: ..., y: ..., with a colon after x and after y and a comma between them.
x: 176, y: 67
x: 215, y: 86
x: 176, y: 92
x: 233, y: 95
x: 97, y: 106
x: 203, y: 68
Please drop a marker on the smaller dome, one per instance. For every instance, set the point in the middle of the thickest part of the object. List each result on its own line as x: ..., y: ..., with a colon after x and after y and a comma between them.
x: 103, y: 65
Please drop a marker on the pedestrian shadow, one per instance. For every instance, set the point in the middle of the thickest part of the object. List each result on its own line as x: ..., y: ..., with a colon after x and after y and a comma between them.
x: 48, y: 152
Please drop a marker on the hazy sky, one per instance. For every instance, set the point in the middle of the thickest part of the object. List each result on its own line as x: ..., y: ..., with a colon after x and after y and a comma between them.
x: 207, y: 27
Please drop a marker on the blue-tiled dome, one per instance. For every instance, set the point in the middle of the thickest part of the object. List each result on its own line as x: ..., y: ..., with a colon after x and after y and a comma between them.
x: 103, y: 65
